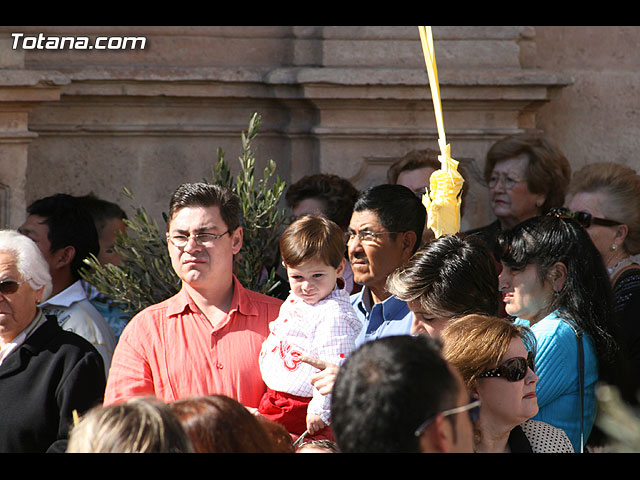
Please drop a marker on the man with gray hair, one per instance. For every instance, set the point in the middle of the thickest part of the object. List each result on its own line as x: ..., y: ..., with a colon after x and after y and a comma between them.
x: 385, y: 230
x: 46, y: 373
x: 206, y: 339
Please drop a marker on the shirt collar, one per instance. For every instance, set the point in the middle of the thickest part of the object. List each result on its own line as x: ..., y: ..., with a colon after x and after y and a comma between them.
x: 241, y: 302
x: 390, y: 306
x: 67, y: 297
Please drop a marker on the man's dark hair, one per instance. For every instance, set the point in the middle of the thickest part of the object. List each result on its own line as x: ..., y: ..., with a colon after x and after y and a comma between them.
x: 385, y: 390
x: 70, y: 224
x: 208, y: 195
x: 102, y: 210
x: 397, y: 208
x: 449, y: 277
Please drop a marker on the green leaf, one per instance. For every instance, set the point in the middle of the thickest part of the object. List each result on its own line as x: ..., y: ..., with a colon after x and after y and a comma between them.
x: 147, y: 277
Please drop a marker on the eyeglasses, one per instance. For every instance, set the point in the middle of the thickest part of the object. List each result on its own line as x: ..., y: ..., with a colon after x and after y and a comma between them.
x: 8, y: 287
x: 472, y: 408
x: 204, y: 239
x: 507, y: 181
x: 364, y: 236
x: 583, y: 218
x: 514, y: 369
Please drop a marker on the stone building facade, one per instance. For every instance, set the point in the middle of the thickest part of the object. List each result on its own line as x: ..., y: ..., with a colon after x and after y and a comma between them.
x: 333, y: 99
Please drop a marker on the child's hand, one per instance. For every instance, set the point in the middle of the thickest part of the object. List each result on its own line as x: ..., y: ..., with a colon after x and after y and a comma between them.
x: 314, y: 423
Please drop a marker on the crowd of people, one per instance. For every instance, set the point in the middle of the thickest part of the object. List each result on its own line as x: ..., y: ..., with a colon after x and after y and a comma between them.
x: 386, y: 339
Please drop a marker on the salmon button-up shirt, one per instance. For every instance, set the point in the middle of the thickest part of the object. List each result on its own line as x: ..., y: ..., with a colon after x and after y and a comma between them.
x: 170, y: 350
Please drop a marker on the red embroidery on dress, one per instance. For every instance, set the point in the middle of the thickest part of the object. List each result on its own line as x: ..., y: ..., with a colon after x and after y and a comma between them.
x: 290, y: 357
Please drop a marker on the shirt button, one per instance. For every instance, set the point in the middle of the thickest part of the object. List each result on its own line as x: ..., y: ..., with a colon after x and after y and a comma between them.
x: 220, y: 366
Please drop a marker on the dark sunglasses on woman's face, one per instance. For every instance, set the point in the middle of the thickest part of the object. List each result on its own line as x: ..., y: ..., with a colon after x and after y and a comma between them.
x: 9, y: 286
x: 513, y: 370
x: 583, y: 218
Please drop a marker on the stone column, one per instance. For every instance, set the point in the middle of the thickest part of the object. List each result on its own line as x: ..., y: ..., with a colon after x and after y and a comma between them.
x: 20, y: 91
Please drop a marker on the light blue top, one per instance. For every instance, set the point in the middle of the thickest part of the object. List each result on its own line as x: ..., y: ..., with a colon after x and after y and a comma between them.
x: 558, y: 388
x: 389, y: 317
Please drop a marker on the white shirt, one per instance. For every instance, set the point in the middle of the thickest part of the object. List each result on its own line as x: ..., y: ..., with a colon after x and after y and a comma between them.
x: 76, y: 314
x: 326, y: 330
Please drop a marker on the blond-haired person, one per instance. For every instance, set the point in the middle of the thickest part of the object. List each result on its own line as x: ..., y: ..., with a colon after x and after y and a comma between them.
x: 138, y: 425
x: 605, y: 199
x: 496, y: 360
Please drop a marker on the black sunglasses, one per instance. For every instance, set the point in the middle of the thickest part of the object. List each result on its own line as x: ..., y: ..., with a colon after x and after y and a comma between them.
x: 583, y: 218
x: 514, y: 369
x: 9, y: 286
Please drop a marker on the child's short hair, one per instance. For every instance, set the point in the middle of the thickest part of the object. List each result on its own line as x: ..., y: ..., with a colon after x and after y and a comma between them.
x: 312, y: 237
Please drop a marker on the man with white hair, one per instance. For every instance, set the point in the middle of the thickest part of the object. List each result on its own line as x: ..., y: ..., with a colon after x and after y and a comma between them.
x: 46, y: 373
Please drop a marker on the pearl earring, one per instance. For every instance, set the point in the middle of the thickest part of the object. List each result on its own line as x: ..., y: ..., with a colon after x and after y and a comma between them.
x: 614, y: 246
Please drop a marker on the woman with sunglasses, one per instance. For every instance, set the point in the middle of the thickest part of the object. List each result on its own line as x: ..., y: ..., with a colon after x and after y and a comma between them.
x: 605, y: 199
x: 496, y: 360
x: 46, y: 373
x: 553, y: 281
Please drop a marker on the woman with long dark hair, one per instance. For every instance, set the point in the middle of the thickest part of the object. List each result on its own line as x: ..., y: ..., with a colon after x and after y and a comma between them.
x: 554, y: 281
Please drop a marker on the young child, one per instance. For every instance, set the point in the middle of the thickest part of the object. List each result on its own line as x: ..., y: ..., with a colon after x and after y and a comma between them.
x: 316, y: 320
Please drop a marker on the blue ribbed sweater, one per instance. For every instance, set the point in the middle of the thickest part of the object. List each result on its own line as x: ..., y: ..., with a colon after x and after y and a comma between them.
x: 557, y: 369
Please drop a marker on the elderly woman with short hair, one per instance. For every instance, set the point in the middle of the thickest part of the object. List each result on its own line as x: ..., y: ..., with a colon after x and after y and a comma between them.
x: 605, y: 200
x: 527, y: 176
x: 46, y: 373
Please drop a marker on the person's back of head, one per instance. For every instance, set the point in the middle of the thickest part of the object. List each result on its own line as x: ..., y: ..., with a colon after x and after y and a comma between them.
x: 450, y: 277
x: 318, y: 446
x: 397, y: 209
x: 385, y: 390
x: 139, y: 425
x: 413, y: 160
x: 220, y: 424
x: 101, y: 210
x: 109, y: 219
x: 336, y: 194
x: 69, y: 224
x: 280, y: 437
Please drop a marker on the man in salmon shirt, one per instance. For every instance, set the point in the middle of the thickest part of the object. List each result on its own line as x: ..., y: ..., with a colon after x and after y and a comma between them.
x: 207, y: 338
